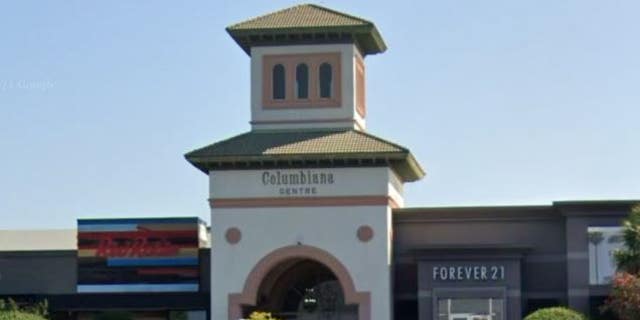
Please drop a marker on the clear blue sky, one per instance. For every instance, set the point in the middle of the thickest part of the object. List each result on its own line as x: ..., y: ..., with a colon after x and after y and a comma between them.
x: 503, y: 102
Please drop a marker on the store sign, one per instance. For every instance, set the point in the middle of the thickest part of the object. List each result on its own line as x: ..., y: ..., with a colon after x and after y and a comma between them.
x: 468, y: 273
x: 138, y: 255
x: 297, y: 182
x: 143, y: 243
x: 301, y: 182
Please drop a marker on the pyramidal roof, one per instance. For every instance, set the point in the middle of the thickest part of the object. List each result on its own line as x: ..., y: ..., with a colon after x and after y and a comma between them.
x: 287, y: 148
x: 307, y: 23
x: 301, y: 16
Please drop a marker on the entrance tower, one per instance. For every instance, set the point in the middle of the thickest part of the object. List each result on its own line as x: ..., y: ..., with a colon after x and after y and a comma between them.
x: 301, y: 204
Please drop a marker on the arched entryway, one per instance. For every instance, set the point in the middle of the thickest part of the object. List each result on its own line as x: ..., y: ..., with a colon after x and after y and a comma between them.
x: 301, y: 282
x: 302, y: 289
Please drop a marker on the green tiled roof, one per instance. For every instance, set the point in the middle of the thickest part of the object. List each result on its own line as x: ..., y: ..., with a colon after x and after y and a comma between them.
x: 301, y: 16
x: 307, y: 23
x: 305, y: 148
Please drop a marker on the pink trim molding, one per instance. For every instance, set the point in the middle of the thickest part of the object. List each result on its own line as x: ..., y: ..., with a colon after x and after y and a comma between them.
x: 360, y: 88
x: 338, y: 120
x: 249, y: 294
x: 303, y: 121
x: 336, y: 201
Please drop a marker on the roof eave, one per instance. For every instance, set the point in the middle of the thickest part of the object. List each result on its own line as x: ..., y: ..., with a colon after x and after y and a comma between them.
x: 366, y: 36
x: 415, y: 172
x: 379, y: 41
x: 391, y: 156
x: 403, y: 163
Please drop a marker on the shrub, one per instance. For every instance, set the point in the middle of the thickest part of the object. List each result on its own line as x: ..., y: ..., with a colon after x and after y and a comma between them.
x: 19, y: 315
x: 555, y: 313
x: 39, y: 308
x: 9, y: 310
x: 624, y: 299
x: 257, y: 315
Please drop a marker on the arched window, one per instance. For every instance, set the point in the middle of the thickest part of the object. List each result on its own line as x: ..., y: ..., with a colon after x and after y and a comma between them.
x: 325, y: 80
x: 278, y: 82
x: 302, y: 81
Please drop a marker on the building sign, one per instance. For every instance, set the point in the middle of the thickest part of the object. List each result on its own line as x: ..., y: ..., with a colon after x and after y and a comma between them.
x: 144, y: 243
x: 138, y: 255
x: 300, y: 182
x: 468, y: 273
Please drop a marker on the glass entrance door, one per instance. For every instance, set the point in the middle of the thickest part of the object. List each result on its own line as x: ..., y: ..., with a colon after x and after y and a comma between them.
x: 468, y: 316
x: 302, y: 289
x: 465, y: 316
x: 470, y: 309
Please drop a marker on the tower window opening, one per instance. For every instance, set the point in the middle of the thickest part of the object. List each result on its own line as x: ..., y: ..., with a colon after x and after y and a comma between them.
x: 278, y: 82
x: 326, y: 79
x: 302, y: 81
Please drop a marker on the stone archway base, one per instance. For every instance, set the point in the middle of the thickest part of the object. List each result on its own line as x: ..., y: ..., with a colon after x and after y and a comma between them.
x: 249, y: 293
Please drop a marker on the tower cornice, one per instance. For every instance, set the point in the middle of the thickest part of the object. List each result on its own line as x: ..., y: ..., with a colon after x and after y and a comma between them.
x: 307, y: 24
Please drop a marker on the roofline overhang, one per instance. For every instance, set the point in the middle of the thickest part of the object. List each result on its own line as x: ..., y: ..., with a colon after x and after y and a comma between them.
x: 366, y: 37
x: 403, y: 163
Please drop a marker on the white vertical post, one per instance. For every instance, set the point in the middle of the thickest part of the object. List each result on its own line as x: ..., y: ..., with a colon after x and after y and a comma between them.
x: 490, y: 308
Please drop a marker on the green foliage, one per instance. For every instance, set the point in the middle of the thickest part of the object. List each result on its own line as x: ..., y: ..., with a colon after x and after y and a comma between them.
x: 41, y: 309
x: 9, y: 310
x: 19, y: 315
x: 628, y: 258
x: 624, y: 299
x: 113, y: 315
x: 9, y: 305
x: 555, y: 313
x: 258, y: 315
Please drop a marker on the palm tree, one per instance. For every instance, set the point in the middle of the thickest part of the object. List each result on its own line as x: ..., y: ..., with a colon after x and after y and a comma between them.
x: 628, y: 258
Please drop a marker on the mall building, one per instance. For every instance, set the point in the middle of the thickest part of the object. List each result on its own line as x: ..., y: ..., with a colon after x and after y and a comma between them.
x: 308, y: 218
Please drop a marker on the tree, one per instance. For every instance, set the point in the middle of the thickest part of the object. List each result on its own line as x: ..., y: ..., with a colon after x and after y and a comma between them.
x: 624, y: 299
x: 628, y: 258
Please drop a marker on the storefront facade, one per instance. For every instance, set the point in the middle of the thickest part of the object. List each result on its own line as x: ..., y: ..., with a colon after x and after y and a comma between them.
x: 447, y: 263
x: 534, y: 256
x: 141, y: 268
x: 308, y: 188
x: 308, y: 217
